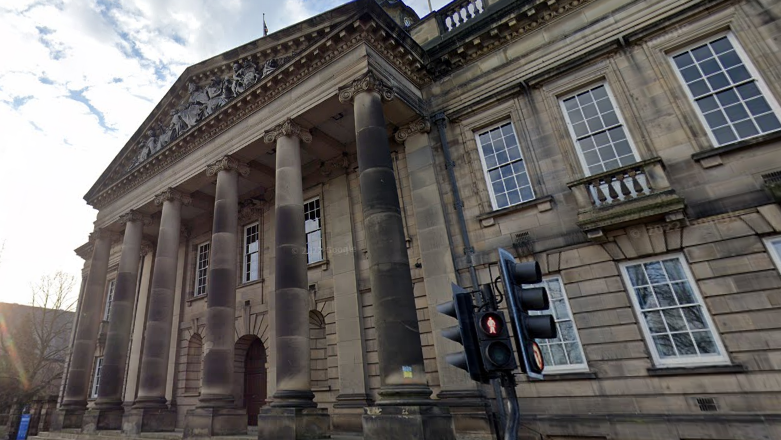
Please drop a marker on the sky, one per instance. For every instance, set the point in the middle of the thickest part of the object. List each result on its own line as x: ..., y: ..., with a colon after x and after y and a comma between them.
x: 77, y: 78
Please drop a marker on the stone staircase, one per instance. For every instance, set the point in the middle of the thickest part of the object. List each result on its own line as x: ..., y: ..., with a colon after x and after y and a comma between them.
x: 75, y: 434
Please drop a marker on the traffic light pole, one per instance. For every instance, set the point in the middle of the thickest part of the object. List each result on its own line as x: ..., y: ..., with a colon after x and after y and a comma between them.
x: 487, y: 297
x: 511, y: 428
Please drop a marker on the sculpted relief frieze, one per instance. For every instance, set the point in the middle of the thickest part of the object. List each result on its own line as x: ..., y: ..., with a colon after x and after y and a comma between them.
x: 202, y: 102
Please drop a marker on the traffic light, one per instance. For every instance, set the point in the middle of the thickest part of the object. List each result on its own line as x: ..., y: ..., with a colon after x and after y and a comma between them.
x: 465, y: 333
x: 495, y: 346
x: 521, y: 300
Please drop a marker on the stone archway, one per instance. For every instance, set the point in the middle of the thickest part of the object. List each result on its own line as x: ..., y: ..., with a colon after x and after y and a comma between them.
x: 251, y: 371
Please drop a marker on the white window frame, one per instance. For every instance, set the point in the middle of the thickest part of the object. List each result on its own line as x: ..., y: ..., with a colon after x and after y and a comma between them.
x: 569, y: 368
x: 720, y: 359
x: 110, y: 288
x: 321, y: 257
x: 766, y: 93
x: 246, y: 273
x: 486, y: 175
x: 198, y: 268
x: 96, y: 377
x: 774, y: 254
x: 619, y: 116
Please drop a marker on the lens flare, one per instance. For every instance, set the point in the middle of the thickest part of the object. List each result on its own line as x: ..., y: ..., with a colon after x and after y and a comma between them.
x: 13, y: 353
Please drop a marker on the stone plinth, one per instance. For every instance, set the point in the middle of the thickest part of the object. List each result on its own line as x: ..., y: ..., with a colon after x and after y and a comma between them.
x: 208, y: 422
x: 139, y: 420
x: 68, y: 418
x: 293, y: 424
x: 102, y: 420
x: 408, y: 423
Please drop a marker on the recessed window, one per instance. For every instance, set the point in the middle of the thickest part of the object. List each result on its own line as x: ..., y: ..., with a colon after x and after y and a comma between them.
x: 675, y: 321
x: 503, y: 165
x: 109, y: 298
x: 729, y: 95
x: 314, y: 231
x: 564, y: 353
x: 251, y: 253
x: 96, y: 377
x: 774, y: 246
x: 598, y: 130
x: 201, y: 269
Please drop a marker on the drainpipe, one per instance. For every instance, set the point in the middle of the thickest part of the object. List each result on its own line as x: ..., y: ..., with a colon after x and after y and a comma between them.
x: 469, y: 251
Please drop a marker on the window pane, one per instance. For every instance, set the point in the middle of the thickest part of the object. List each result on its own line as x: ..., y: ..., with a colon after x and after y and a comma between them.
x: 637, y: 275
x: 684, y: 344
x: 655, y: 322
x: 705, y: 342
x: 674, y: 320
x: 664, y: 346
x: 768, y: 122
x: 683, y: 292
x: 509, y: 184
x: 565, y: 349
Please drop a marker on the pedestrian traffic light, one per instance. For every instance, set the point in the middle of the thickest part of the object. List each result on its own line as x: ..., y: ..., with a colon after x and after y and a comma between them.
x: 521, y: 300
x: 495, y: 346
x: 465, y: 333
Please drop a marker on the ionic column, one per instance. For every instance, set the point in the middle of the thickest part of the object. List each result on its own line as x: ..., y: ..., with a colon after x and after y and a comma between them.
x: 291, y: 311
x: 115, y: 354
x: 157, y: 336
x: 402, y: 374
x: 217, y: 383
x: 83, y: 350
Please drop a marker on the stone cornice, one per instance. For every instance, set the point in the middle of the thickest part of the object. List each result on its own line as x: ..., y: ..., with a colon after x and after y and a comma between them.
x: 134, y: 216
x: 227, y: 163
x: 418, y: 126
x: 407, y: 59
x: 366, y: 83
x: 287, y: 128
x: 172, y: 194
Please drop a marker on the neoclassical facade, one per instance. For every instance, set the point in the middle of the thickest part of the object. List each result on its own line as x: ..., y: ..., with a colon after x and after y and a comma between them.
x: 271, y: 244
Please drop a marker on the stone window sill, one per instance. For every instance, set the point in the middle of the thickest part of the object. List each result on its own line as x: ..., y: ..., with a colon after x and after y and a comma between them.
x: 250, y: 283
x: 323, y: 263
x: 543, y: 204
x: 191, y: 394
x: 321, y: 389
x: 579, y: 375
x: 714, y: 153
x: 710, y: 369
x: 191, y: 299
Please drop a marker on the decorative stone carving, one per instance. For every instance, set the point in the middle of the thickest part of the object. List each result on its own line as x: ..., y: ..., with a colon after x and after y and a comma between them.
x: 418, y: 126
x: 146, y: 248
x: 366, y: 83
x: 172, y: 194
x: 328, y: 167
x: 134, y: 216
x: 227, y: 163
x: 184, y: 233
x: 201, y: 103
x: 287, y: 128
x: 250, y: 210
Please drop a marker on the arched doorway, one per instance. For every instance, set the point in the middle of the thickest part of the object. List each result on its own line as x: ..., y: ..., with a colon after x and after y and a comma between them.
x: 254, y: 380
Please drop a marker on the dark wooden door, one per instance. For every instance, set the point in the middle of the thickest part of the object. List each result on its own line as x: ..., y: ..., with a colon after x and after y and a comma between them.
x: 255, y: 381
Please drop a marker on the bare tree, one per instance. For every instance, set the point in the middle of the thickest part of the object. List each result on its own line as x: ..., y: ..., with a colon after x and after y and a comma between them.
x: 34, y: 344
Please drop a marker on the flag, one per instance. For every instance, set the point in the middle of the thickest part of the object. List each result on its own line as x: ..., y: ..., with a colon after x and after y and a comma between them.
x: 265, y: 28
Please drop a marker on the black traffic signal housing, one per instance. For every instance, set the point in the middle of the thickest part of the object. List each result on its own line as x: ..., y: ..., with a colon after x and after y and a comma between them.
x: 465, y: 333
x: 495, y: 346
x: 521, y: 300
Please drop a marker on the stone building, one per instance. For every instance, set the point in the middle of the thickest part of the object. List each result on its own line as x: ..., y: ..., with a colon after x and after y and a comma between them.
x: 300, y: 205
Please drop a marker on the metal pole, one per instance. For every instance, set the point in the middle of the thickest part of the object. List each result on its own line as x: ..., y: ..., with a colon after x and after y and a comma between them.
x: 511, y: 429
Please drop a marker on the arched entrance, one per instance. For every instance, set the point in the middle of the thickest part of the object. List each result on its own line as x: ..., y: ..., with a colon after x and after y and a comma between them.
x: 254, y: 380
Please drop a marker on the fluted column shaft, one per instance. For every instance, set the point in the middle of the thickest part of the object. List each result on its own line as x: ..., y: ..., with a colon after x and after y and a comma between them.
x: 402, y: 373
x: 217, y: 383
x: 157, y: 336
x: 83, y: 350
x: 112, y: 373
x: 291, y: 310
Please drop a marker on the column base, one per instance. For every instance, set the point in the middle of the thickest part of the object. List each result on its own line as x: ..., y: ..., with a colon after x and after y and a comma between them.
x: 293, y: 424
x: 140, y: 420
x: 472, y: 413
x: 102, y: 419
x: 68, y: 418
x: 208, y: 422
x: 408, y: 423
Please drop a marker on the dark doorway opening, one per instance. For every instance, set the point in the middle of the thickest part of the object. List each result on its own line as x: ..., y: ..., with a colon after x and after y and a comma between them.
x: 255, y: 381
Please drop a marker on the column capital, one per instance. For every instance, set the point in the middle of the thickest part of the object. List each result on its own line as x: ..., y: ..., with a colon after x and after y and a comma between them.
x: 103, y: 233
x: 419, y: 126
x: 134, y: 216
x: 172, y: 194
x: 366, y: 83
x: 227, y: 163
x: 146, y: 247
x: 250, y: 209
x: 287, y: 128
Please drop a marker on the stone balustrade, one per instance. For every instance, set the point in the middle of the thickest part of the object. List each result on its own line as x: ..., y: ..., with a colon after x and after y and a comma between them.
x: 458, y: 13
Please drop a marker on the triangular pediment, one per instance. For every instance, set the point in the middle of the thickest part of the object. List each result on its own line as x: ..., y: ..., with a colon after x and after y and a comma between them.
x: 196, y: 105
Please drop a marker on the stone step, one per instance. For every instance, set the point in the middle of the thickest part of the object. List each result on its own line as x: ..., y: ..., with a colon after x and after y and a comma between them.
x: 103, y: 435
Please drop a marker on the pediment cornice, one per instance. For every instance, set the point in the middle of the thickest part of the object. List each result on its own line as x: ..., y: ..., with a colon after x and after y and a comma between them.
x: 296, y: 57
